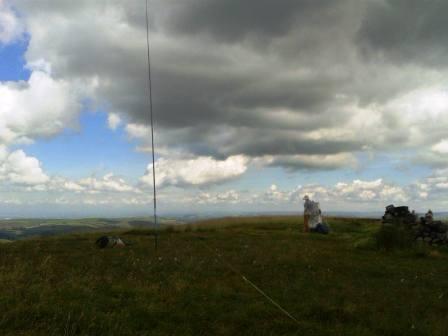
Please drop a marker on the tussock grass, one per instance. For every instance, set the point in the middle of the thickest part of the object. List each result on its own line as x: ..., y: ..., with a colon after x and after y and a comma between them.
x: 391, y: 237
x: 66, y: 286
x: 258, y: 222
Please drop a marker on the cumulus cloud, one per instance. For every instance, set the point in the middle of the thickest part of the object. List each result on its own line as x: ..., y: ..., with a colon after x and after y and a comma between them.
x: 273, y: 194
x: 371, y: 190
x: 226, y: 197
x: 195, y: 172
x: 137, y: 131
x: 351, y: 193
x: 38, y: 108
x: 434, y: 187
x: 108, y: 182
x: 109, y: 189
x: 91, y: 200
x: 18, y: 168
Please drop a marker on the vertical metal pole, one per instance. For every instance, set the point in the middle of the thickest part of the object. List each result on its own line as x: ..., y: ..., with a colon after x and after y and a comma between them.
x: 152, y: 130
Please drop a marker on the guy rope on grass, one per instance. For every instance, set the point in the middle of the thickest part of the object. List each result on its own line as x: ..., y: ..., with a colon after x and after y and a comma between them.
x: 250, y: 283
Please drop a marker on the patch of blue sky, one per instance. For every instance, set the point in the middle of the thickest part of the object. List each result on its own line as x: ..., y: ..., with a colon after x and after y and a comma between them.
x: 93, y: 149
x: 392, y: 167
x: 12, y: 61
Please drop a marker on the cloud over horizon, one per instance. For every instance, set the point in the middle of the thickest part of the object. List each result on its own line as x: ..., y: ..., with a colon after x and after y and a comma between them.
x: 300, y: 85
x: 295, y: 79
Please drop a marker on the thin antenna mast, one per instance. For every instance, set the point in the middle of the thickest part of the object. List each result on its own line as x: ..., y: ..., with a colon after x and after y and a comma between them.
x: 152, y: 127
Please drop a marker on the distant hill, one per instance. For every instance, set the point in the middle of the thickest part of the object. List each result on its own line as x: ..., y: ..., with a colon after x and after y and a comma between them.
x: 14, y: 229
x: 18, y: 228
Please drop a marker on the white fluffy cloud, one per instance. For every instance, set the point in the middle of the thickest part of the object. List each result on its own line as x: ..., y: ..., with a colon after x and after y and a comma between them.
x: 273, y: 194
x: 10, y: 26
x: 226, y: 197
x: 108, y: 182
x: 376, y: 190
x: 25, y: 174
x: 138, y: 131
x: 434, y: 186
x: 40, y: 107
x: 196, y: 172
x: 354, y: 192
x: 18, y: 168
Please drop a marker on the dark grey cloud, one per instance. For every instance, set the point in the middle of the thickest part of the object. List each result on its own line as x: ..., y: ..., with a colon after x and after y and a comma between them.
x: 293, y: 163
x: 234, y: 20
x: 406, y: 31
x: 258, y: 143
x: 280, y: 78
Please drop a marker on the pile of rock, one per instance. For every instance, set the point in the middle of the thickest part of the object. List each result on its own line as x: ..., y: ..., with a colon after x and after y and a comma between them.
x: 431, y: 231
x: 426, y: 229
x: 399, y: 216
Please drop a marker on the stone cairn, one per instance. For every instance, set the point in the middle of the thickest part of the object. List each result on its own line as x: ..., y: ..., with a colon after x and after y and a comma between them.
x: 426, y: 229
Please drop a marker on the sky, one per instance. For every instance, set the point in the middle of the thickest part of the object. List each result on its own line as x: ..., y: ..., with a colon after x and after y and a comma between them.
x: 256, y: 104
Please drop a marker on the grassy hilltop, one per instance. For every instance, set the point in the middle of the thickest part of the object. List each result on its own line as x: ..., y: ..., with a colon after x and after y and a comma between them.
x: 334, y: 285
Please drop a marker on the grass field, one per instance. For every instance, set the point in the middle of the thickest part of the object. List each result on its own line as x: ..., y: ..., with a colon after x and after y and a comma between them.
x: 338, y: 284
x: 16, y: 229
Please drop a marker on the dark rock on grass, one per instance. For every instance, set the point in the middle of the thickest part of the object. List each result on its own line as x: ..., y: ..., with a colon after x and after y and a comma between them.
x: 401, y: 228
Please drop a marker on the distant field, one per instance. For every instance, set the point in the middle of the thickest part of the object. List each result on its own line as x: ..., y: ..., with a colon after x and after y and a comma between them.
x: 333, y: 285
x: 15, y: 229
